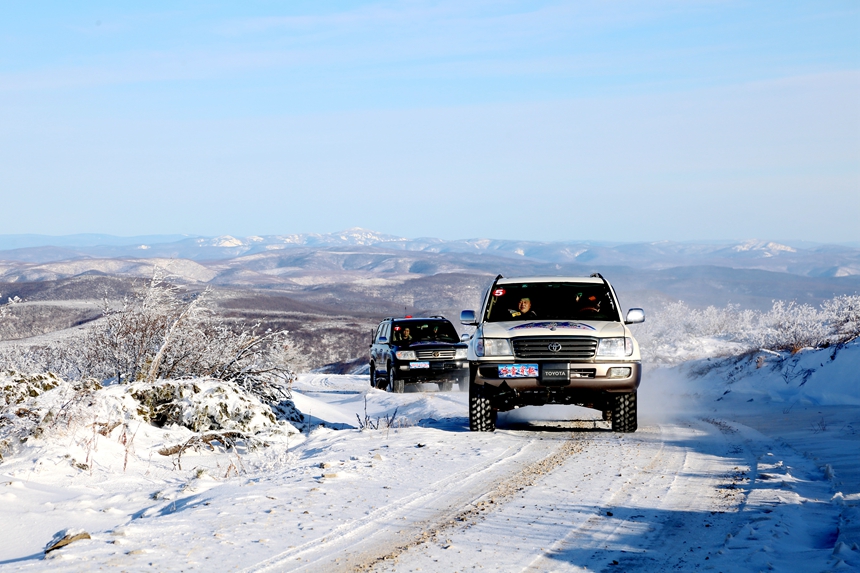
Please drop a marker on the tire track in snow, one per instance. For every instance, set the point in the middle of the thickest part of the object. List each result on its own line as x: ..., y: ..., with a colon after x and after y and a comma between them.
x: 455, y: 517
x: 670, y: 543
x: 351, y: 540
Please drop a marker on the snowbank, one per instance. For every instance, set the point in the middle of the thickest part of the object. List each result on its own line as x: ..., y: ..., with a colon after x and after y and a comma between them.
x: 829, y: 376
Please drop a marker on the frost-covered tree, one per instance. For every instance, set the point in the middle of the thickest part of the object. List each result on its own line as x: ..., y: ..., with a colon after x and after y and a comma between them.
x: 790, y: 326
x: 164, y: 333
x: 678, y: 332
x: 7, y: 306
x: 843, y: 314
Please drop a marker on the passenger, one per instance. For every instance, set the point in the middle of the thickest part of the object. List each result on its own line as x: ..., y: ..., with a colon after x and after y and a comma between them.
x: 588, y: 304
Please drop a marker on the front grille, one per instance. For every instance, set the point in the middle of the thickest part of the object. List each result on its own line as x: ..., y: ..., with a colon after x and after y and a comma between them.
x: 569, y: 347
x: 431, y: 354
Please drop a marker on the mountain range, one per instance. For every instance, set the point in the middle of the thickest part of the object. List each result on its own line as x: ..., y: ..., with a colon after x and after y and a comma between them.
x: 812, y: 260
x: 337, y: 286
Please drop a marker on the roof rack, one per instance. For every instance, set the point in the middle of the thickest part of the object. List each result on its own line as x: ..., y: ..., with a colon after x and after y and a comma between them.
x: 416, y: 317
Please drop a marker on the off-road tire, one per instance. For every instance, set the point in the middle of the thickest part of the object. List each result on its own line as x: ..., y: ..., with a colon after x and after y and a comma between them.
x: 395, y: 384
x: 482, y: 417
x: 445, y: 386
x: 372, y: 376
x: 380, y: 379
x: 624, y: 418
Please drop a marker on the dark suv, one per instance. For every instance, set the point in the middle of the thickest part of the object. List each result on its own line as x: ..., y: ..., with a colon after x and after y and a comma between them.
x: 411, y: 350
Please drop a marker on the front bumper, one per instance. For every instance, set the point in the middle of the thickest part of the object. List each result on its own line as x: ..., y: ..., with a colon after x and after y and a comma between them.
x: 585, y: 376
x: 435, y: 370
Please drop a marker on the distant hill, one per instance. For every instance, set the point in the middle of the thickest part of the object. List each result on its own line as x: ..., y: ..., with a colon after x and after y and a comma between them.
x: 813, y: 260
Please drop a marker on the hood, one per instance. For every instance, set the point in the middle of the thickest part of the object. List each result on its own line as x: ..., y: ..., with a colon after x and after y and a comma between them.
x: 433, y: 344
x: 512, y: 329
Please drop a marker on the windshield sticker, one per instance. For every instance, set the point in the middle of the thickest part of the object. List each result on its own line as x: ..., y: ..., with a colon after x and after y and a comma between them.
x: 553, y: 325
x: 499, y: 292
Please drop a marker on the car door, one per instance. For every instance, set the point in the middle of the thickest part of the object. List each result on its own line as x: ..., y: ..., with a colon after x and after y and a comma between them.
x: 378, y: 350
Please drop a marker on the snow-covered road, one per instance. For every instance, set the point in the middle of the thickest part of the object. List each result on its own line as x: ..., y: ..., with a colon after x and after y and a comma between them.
x: 700, y: 491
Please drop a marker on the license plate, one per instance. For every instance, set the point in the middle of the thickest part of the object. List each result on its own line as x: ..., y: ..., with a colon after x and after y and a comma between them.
x: 416, y: 365
x: 555, y: 372
x: 518, y: 371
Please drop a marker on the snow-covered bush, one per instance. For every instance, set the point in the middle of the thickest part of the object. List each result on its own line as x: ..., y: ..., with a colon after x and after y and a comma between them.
x: 16, y: 387
x: 843, y: 313
x: 677, y: 332
x: 200, y: 405
x: 789, y: 326
x: 156, y: 340
x: 163, y: 333
x: 194, y: 412
x: 32, y: 405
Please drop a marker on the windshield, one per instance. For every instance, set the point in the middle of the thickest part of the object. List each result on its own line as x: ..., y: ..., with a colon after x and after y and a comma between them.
x: 551, y: 301
x: 414, y: 331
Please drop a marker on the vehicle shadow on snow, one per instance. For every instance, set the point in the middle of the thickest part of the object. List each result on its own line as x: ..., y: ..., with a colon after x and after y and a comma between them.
x: 569, y: 426
x: 622, y: 538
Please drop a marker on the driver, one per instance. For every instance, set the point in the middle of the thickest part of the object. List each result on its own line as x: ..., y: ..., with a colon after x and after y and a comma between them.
x: 524, y: 309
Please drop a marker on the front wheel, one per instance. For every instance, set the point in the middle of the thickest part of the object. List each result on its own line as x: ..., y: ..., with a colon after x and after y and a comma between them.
x: 482, y: 417
x: 378, y: 379
x: 445, y: 386
x: 395, y: 384
x: 624, y: 416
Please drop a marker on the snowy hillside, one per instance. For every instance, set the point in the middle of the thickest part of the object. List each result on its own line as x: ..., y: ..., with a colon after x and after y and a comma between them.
x: 739, y: 465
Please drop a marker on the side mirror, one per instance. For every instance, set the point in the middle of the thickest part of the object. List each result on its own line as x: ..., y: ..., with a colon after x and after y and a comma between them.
x: 467, y: 317
x: 464, y: 337
x: 635, y: 315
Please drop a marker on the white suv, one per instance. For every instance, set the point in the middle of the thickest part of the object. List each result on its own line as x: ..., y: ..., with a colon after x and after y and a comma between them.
x: 552, y: 340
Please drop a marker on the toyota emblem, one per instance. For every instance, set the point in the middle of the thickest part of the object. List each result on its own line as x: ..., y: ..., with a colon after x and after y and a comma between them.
x: 554, y: 347
x: 436, y: 354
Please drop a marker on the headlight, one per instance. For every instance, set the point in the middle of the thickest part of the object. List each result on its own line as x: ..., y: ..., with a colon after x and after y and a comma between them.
x: 615, y: 347
x: 460, y: 353
x: 493, y: 347
x: 405, y: 354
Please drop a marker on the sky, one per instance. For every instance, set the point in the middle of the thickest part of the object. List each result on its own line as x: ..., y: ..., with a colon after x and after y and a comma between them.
x: 540, y: 120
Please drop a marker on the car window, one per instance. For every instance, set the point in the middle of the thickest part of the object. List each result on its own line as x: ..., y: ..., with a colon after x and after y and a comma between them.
x: 550, y: 301
x: 416, y: 331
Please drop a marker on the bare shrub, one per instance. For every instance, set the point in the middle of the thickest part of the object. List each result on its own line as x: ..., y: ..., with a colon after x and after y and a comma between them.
x: 163, y: 333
